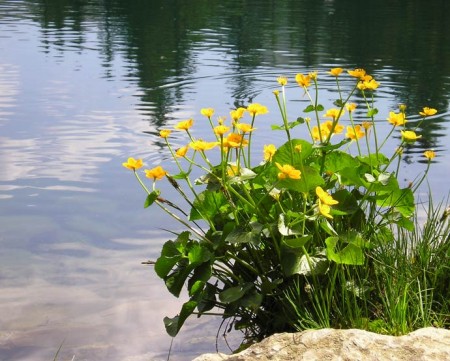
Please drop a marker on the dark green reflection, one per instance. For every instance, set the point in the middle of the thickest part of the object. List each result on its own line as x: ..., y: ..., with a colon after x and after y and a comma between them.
x: 158, y: 39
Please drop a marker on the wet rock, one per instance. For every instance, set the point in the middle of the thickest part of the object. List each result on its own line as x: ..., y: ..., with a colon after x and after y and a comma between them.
x: 426, y: 344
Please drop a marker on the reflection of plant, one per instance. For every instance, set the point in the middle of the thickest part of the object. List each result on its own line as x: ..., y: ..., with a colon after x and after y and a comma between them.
x: 304, y: 238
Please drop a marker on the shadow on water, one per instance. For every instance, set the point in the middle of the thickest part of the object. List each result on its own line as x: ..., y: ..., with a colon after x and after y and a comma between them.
x: 85, y: 84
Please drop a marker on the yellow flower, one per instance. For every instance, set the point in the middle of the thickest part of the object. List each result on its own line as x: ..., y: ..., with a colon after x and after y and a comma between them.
x: 221, y: 129
x: 234, y: 140
x: 357, y: 73
x: 165, y: 133
x: 201, y: 145
x: 336, y: 71
x: 426, y: 112
x: 316, y: 133
x: 276, y: 92
x: 233, y: 170
x: 396, y: 118
x: 325, y: 197
x: 356, y: 133
x: 185, y: 124
x: 269, y: 151
x: 368, y: 84
x: 221, y: 120
x: 429, y: 154
x: 237, y: 113
x: 410, y: 136
x: 282, y: 80
x: 313, y: 75
x: 181, y: 152
x: 329, y: 124
x: 133, y: 164
x: 402, y: 107
x: 333, y: 113
x: 324, y: 210
x: 156, y: 173
x: 350, y: 107
x: 298, y: 148
x: 303, y: 80
x: 366, y: 125
x: 287, y: 171
x: 257, y: 109
x: 245, y: 128
x: 207, y: 112
x: 399, y: 150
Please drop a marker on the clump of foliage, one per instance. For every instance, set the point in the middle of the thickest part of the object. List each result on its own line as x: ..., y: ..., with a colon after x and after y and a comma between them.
x: 312, y: 236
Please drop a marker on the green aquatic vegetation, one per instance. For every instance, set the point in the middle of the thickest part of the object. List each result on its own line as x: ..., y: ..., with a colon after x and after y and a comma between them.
x: 311, y: 235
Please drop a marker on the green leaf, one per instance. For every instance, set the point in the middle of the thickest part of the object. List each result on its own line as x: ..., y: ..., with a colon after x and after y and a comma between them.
x: 196, y: 288
x: 252, y: 301
x: 239, y: 235
x: 284, y: 229
x: 339, y: 103
x: 290, y: 125
x: 283, y: 155
x: 293, y: 244
x: 292, y: 253
x: 175, y: 281
x: 207, y: 301
x: 312, y: 266
x: 181, y: 175
x: 208, y: 204
x: 151, y: 198
x: 402, y: 200
x: 374, y: 160
x: 173, y: 325
x: 170, y: 255
x: 329, y: 147
x: 372, y: 112
x: 350, y: 253
x: 309, y: 108
x: 338, y: 160
x: 232, y: 294
x: 197, y: 254
x: 202, y: 274
x: 402, y: 221
x: 319, y: 107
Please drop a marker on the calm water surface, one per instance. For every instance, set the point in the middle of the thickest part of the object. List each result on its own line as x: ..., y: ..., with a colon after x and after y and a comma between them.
x: 86, y: 84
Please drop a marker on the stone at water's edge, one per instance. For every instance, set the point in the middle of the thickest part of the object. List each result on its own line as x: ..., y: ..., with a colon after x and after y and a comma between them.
x: 346, y: 345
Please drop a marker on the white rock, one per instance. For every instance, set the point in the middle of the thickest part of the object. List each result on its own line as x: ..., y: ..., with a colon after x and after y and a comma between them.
x: 427, y: 344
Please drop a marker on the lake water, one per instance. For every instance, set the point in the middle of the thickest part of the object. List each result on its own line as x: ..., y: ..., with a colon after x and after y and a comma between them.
x: 85, y: 84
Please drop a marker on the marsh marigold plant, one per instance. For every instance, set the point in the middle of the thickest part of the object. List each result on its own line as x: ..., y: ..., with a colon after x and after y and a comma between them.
x: 288, y: 237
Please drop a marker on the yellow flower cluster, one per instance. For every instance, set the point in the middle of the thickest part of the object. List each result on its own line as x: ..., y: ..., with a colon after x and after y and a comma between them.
x: 156, y: 173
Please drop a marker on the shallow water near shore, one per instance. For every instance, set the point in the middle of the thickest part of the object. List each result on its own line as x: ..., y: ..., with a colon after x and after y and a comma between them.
x: 86, y: 84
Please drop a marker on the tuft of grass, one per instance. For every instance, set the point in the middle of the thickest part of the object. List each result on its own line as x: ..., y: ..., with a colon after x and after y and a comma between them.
x: 402, y: 287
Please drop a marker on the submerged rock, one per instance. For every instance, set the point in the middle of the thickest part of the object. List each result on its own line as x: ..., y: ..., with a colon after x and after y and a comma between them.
x: 345, y: 345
